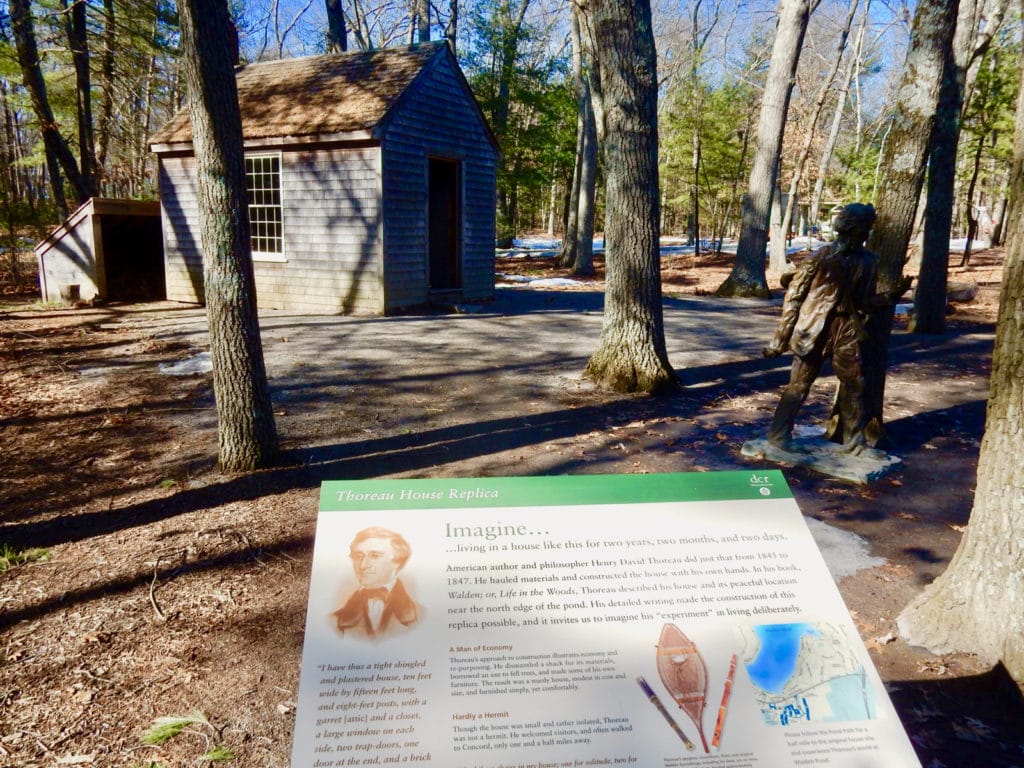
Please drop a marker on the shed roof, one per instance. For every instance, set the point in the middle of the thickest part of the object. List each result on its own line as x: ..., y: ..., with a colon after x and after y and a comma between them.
x: 316, y: 95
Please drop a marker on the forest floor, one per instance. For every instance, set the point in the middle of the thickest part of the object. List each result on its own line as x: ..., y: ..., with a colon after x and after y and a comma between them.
x: 139, y: 582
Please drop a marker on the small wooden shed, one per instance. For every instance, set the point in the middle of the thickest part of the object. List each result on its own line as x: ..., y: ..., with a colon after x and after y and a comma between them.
x: 107, y: 249
x: 371, y: 182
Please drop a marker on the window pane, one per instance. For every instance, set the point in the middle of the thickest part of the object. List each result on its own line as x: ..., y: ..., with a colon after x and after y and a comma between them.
x: 263, y: 188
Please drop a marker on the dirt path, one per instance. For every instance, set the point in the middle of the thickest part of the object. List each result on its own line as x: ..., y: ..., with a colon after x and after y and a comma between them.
x: 168, y: 588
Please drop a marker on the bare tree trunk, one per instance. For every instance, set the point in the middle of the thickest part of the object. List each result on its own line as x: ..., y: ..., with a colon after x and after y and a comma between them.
x: 578, y: 245
x: 778, y: 266
x: 58, y: 154
x: 107, y: 90
x: 695, y: 187
x: 584, y: 265
x: 505, y: 59
x: 903, y: 166
x: 977, y: 604
x: 247, y: 434
x: 451, y: 31
x: 631, y: 356
x: 78, y: 41
x: 337, y: 35
x: 998, y: 221
x: 969, y: 44
x: 748, y: 272
x: 570, y: 242
x: 422, y: 21
x: 972, y: 219
x: 552, y: 200
x: 837, y: 119
x: 777, y: 243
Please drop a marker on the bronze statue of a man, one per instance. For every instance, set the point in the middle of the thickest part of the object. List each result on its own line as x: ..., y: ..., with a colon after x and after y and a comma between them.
x: 827, y: 303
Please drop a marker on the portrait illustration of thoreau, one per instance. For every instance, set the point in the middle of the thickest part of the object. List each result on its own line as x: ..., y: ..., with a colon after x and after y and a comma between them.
x: 380, y: 605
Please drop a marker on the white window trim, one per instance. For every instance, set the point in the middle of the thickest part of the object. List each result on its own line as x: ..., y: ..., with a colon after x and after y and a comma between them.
x: 265, y: 255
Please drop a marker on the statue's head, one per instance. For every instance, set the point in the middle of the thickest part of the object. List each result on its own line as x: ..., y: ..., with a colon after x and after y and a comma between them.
x: 855, y: 219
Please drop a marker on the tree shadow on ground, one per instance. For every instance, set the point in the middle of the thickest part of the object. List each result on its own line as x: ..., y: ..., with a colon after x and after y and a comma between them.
x: 307, y: 467
x: 963, y: 721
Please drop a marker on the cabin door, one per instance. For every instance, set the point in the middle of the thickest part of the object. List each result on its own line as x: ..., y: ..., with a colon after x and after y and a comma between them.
x: 444, y: 224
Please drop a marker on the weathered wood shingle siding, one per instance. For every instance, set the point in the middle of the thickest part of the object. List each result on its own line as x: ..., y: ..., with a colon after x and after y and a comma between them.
x: 332, y: 246
x: 332, y: 243
x: 436, y: 118
x: 179, y: 212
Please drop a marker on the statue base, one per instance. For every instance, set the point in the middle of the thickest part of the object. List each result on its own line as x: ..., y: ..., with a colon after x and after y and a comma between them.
x: 826, y: 457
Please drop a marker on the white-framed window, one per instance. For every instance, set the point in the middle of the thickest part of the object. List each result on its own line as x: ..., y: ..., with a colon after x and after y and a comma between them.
x: 266, y: 224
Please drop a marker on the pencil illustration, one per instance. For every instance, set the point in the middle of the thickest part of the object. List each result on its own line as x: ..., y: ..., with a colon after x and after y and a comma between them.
x: 661, y: 708
x: 716, y: 739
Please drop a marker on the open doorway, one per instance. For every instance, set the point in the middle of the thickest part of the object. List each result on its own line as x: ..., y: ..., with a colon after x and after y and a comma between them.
x: 444, y: 223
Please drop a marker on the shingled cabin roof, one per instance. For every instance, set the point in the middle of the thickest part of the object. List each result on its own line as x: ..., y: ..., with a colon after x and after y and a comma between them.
x: 316, y: 96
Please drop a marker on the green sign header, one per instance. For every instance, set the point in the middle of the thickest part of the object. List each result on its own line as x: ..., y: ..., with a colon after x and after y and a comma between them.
x: 556, y: 490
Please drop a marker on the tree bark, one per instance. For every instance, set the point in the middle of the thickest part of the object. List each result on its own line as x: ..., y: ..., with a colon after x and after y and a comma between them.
x: 972, y: 219
x: 778, y: 266
x: 451, y: 31
x: 748, y: 273
x: 570, y: 241
x: 631, y: 356
x: 107, y: 91
x: 903, y: 165
x: 977, y: 604
x: 422, y: 21
x: 998, y: 220
x: 578, y: 244
x: 508, y: 49
x: 584, y: 264
x: 78, y: 41
x: 969, y: 43
x: 337, y: 35
x: 247, y: 433
x: 58, y: 153
x: 837, y: 118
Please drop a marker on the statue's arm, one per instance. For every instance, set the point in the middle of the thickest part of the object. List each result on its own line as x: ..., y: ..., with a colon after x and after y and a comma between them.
x: 796, y: 292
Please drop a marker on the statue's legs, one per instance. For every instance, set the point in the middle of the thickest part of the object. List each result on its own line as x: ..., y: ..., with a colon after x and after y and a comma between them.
x: 846, y: 363
x: 801, y: 376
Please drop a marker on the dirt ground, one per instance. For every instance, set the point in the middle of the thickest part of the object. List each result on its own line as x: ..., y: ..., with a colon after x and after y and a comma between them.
x: 142, y: 583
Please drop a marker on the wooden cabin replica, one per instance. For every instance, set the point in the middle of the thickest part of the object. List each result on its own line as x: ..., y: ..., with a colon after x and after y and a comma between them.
x: 371, y: 183
x: 107, y: 250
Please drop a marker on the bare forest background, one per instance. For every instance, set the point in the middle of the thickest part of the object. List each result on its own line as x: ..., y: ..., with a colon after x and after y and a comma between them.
x: 83, y: 84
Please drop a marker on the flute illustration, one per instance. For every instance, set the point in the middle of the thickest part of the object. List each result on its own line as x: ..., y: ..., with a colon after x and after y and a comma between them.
x: 725, y: 703
x: 661, y: 708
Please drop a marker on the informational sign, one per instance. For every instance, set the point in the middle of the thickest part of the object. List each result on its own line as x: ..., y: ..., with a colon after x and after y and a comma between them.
x: 655, y: 621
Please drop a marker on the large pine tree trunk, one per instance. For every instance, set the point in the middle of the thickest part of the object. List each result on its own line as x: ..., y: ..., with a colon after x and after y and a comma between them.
x: 977, y: 604
x: 748, y: 273
x: 631, y: 356
x: 248, y: 436
x: 903, y: 166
